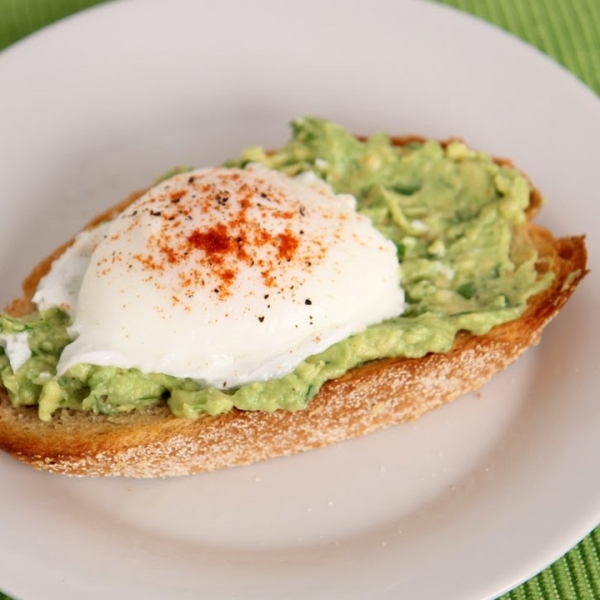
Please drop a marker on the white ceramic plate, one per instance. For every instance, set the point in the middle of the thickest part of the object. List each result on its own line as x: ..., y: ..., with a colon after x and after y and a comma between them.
x: 465, y: 503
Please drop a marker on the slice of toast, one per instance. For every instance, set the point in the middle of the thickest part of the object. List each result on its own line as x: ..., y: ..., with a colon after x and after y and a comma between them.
x: 154, y: 443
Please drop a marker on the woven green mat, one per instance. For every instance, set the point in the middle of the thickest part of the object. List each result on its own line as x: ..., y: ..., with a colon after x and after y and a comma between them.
x: 569, y: 32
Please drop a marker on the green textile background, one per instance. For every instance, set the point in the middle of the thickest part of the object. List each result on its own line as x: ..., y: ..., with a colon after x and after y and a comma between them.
x: 569, y: 32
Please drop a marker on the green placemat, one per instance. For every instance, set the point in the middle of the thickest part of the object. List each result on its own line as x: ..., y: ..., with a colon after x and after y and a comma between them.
x: 569, y: 32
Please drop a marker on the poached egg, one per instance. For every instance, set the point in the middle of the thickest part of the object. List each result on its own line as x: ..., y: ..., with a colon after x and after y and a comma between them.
x: 225, y: 276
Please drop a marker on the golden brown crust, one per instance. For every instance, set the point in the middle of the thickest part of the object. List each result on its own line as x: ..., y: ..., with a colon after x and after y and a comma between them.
x: 154, y: 443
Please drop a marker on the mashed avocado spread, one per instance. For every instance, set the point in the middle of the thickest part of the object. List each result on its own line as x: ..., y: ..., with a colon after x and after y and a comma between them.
x: 450, y: 211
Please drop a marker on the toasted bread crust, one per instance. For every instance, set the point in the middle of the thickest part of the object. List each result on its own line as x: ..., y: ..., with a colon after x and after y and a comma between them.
x: 154, y: 443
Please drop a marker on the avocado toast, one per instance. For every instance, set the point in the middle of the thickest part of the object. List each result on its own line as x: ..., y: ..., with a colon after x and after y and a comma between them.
x: 481, y: 283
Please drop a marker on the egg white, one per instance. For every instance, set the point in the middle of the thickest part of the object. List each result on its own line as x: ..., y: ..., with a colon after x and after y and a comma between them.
x: 225, y: 276
x: 16, y: 348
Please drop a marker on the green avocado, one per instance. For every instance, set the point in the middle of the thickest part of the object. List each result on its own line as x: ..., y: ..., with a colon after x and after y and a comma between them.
x: 450, y: 211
